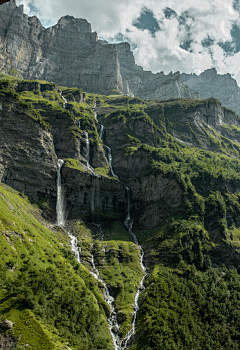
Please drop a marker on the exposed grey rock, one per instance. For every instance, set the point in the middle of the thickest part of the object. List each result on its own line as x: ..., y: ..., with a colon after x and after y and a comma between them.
x: 145, y: 84
x: 6, y: 324
x: 28, y: 162
x: 26, y: 151
x: 70, y: 54
x: 210, y: 83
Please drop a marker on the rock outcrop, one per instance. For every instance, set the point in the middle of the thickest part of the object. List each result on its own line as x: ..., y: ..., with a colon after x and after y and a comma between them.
x: 210, y: 83
x: 70, y: 54
x: 29, y: 150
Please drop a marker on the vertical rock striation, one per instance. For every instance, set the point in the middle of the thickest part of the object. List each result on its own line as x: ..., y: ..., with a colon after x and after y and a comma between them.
x: 70, y: 54
x: 210, y: 83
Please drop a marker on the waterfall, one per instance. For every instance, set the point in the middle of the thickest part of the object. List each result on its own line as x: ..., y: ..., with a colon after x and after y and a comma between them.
x: 64, y: 99
x: 102, y: 128
x: 126, y: 342
x: 112, y: 320
x: 79, y: 124
x: 60, y: 212
x: 93, y: 108
x: 109, y: 152
x: 60, y: 201
x: 74, y: 246
x: 86, y: 146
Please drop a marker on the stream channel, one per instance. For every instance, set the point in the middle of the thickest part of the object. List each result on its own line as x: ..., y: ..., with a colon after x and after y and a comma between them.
x: 112, y: 320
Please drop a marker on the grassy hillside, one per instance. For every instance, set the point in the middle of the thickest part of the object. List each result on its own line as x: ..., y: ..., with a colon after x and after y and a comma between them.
x: 51, y: 298
x: 191, y: 299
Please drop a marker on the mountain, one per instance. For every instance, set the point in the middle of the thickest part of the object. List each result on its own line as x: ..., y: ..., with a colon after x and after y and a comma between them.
x: 162, y: 173
x: 210, y: 83
x: 70, y: 54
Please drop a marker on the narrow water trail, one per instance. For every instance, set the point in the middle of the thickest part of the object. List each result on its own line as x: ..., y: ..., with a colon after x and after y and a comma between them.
x: 61, y: 213
x: 109, y: 151
x: 112, y: 320
x: 128, y: 339
x: 64, y: 99
x: 60, y: 202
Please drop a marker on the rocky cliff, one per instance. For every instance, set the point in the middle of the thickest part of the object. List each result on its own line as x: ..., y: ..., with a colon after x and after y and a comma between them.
x: 30, y: 147
x: 210, y: 83
x: 176, y: 187
x: 70, y: 54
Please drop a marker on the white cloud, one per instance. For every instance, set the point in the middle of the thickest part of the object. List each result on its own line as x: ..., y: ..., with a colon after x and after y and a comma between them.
x: 206, y: 19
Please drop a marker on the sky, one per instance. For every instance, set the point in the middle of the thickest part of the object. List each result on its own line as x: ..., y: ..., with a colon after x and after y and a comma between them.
x: 168, y: 35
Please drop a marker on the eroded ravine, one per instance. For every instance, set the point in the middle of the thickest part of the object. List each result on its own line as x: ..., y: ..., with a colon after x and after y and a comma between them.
x: 112, y: 320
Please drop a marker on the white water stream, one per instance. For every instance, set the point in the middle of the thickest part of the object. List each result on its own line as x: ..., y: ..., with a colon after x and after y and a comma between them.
x: 112, y: 320
x: 86, y: 146
x: 109, y: 152
x: 61, y: 213
x: 64, y: 99
x: 60, y: 202
x: 126, y: 342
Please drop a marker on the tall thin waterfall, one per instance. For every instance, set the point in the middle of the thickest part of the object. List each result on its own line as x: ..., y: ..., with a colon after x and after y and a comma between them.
x: 86, y: 146
x: 126, y: 342
x: 60, y: 201
x: 102, y: 128
x: 93, y: 108
x: 64, y: 99
x: 109, y: 152
x: 60, y: 212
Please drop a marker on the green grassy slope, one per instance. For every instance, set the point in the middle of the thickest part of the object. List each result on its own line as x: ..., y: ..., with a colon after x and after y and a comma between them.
x: 51, y: 299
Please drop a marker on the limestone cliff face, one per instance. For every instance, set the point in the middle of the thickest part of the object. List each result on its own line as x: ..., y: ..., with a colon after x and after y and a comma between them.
x: 147, y: 85
x: 29, y: 153
x: 210, y: 83
x: 67, y: 53
x: 70, y: 54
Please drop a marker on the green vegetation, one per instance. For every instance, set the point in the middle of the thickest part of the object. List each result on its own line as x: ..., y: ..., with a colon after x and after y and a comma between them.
x: 194, y: 311
x: 74, y: 164
x: 118, y: 263
x: 191, y: 299
x: 49, y: 296
x: 15, y: 73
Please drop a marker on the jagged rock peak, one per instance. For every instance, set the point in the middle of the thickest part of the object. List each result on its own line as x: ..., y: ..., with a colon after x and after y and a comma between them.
x: 222, y: 86
x: 70, y: 54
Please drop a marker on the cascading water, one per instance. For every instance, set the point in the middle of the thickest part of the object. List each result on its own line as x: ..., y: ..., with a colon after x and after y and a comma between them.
x: 102, y: 128
x: 109, y: 152
x: 112, y: 320
x: 60, y: 202
x: 110, y: 160
x: 86, y: 146
x: 74, y: 246
x: 126, y: 342
x: 60, y: 212
x: 93, y: 108
x: 64, y: 99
